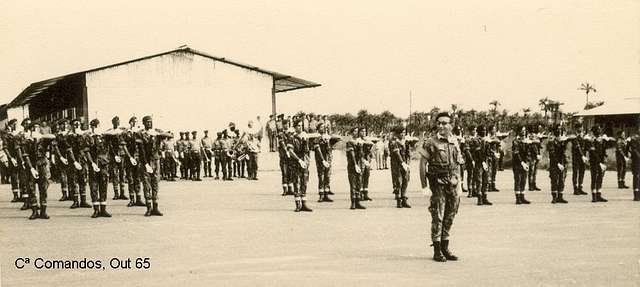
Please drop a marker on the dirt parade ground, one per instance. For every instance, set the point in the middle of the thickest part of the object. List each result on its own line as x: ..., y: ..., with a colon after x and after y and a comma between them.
x: 243, y: 233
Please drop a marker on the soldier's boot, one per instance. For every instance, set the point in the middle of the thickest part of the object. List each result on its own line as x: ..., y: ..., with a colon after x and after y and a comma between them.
x: 576, y: 190
x: 405, y: 204
x: 115, y: 195
x: 96, y: 211
x: 303, y: 207
x: 43, y: 212
x: 64, y: 196
x: 480, y: 200
x: 444, y: 246
x: 25, y: 204
x: 600, y: 198
x: 297, y: 206
x: 329, y: 192
x: 132, y: 201
x: 594, y: 197
x: 353, y: 203
x: 485, y: 201
x: 561, y: 199
x: 76, y: 203
x: 15, y: 197
x: 122, y: 195
x: 580, y: 191
x: 518, y: 200
x: 437, y: 252
x: 155, y: 211
x: 148, y: 213
x: 284, y: 190
x: 321, y: 196
x: 624, y: 185
x: 83, y: 202
x: 104, y: 212
x: 365, y: 195
x: 524, y: 200
x: 398, y: 203
x: 493, y: 187
x: 554, y: 196
x: 358, y: 205
x: 139, y: 201
x: 290, y: 190
x: 636, y: 195
x: 535, y: 187
x: 34, y: 213
x: 326, y: 197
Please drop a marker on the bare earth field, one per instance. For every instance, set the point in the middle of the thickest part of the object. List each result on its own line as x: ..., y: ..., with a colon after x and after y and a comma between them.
x: 243, y: 233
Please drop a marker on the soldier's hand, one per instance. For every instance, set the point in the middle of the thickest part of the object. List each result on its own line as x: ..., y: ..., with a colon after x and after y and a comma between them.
x: 77, y: 165
x: 561, y: 167
x: 358, y: 171
x: 133, y: 161
x: 325, y: 164
x: 302, y: 164
x: 603, y: 167
x: 34, y: 173
x: 14, y: 162
x: 584, y: 159
x: 538, y: 157
x: 148, y: 168
x: 64, y: 161
x: 118, y: 159
x: 405, y: 166
x: 485, y: 166
x: 525, y: 166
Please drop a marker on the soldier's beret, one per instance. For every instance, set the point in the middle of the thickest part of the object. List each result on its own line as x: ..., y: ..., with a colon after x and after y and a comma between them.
x: 63, y: 122
x: 206, y: 131
x: 281, y: 116
x: 34, y: 123
x: 146, y: 118
x: 94, y: 122
x: 232, y: 124
x: 443, y: 114
x: 114, y: 119
x: 26, y: 121
x: 219, y: 133
x: 12, y: 121
x: 595, y: 129
x: 132, y: 119
x: 194, y: 132
x: 480, y: 129
x: 75, y: 120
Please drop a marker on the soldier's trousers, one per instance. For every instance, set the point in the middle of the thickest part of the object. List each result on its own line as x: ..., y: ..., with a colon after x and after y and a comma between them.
x: 533, y: 172
x: 578, y: 173
x: 519, y: 177
x: 366, y: 174
x: 13, y: 178
x: 597, y: 174
x: 635, y: 171
x: 183, y: 168
x: 64, y: 181
x: 99, y: 183
x: 300, y: 180
x: 394, y: 179
x: 207, y: 164
x: 402, y: 179
x: 196, y: 161
x: 42, y: 182
x: 218, y: 164
x: 557, y: 179
x: 443, y: 208
x: 354, y: 183
x: 77, y: 180
x: 470, y: 183
x: 134, y: 176
x: 118, y: 176
x: 151, y: 182
x: 481, y: 179
x: 324, y: 177
x: 227, y: 166
x: 286, y: 172
x: 252, y: 168
x: 494, y: 170
x: 621, y: 168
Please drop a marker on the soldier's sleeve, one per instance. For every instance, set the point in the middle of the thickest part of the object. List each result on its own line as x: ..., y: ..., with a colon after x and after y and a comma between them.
x: 515, y: 150
x: 425, y: 154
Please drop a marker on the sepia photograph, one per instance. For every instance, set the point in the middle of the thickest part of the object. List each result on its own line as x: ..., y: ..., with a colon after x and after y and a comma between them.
x: 320, y: 143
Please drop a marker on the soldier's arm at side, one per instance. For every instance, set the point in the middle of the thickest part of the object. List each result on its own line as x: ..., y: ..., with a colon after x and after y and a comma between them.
x: 424, y: 167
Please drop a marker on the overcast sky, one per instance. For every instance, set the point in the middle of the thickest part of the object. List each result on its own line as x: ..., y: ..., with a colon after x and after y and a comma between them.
x: 366, y: 54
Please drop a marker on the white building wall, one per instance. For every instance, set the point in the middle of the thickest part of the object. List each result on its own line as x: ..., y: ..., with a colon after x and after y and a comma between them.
x: 182, y: 91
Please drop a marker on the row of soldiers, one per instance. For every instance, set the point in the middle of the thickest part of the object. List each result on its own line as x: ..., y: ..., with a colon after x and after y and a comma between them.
x: 230, y: 154
x: 83, y: 158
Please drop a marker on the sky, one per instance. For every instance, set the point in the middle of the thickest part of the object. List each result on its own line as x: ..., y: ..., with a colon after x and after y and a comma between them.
x: 366, y: 54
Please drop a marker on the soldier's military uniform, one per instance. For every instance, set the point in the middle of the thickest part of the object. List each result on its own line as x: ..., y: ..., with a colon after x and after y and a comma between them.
x: 354, y: 172
x: 181, y: 147
x: 77, y: 168
x: 520, y: 159
x: 482, y: 154
x: 578, y: 163
x: 323, y: 158
x: 284, y: 158
x: 134, y: 171
x: 207, y: 146
x: 195, y: 150
x: 622, y: 151
x: 252, y: 150
x: 35, y: 148
x: 298, y: 147
x: 400, y: 158
x: 218, y: 149
x: 556, y: 146
x: 439, y: 169
x: 169, y: 158
x: 469, y: 165
x: 597, y: 155
x: 534, y: 148
x: 59, y: 148
x: 495, y: 148
x: 13, y: 166
x: 117, y: 166
x: 366, y: 147
x: 99, y: 154
x: 150, y: 155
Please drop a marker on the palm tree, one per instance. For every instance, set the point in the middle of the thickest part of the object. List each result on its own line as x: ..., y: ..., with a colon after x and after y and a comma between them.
x: 544, y: 105
x: 495, y: 105
x: 586, y: 87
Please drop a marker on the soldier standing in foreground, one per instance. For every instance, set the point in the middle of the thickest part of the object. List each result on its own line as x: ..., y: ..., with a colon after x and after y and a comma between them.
x: 556, y: 147
x: 299, y: 150
x: 150, y: 159
x: 578, y: 160
x: 117, y: 165
x: 634, y: 150
x: 353, y: 170
x: 519, y: 165
x: 439, y: 169
x: 621, y: 158
x: 323, y: 157
x: 400, y: 158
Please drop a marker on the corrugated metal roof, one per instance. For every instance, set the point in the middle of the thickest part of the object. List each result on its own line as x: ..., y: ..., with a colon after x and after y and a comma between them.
x: 618, y: 107
x: 283, y: 82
